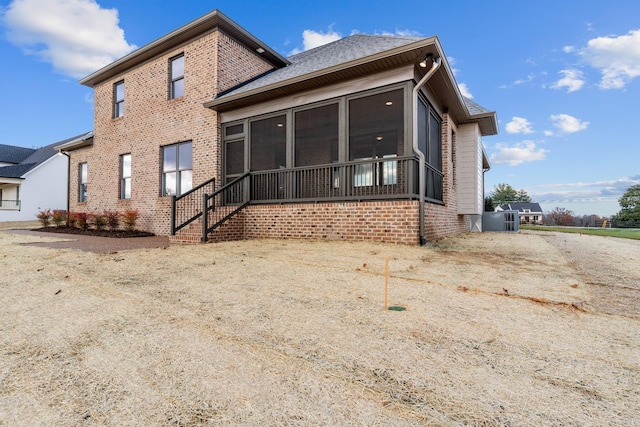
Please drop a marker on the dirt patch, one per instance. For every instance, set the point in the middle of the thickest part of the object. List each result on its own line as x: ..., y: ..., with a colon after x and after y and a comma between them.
x: 500, y: 329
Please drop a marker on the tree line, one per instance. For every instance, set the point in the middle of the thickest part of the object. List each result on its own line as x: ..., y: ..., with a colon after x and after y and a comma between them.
x: 627, y: 217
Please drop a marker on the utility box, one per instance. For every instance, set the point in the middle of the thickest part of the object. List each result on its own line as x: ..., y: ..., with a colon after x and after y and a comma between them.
x: 501, y: 221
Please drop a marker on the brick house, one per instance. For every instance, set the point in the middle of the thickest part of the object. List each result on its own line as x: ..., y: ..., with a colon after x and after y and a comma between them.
x: 367, y: 137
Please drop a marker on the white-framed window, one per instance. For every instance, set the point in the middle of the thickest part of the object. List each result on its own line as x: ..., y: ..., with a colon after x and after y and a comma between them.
x: 125, y: 176
x: 83, y: 175
x: 176, y: 169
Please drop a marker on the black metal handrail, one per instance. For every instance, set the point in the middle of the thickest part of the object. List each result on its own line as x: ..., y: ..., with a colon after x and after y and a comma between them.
x: 381, y: 178
x: 187, y: 207
x: 224, y: 203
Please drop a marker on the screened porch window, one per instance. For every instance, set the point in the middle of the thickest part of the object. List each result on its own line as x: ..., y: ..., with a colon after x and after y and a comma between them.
x: 430, y: 144
x: 316, y: 136
x: 376, y: 131
x: 269, y: 143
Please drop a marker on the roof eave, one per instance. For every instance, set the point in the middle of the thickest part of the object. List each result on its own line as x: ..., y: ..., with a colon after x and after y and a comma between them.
x: 232, y: 101
x: 202, y: 25
x: 83, y: 141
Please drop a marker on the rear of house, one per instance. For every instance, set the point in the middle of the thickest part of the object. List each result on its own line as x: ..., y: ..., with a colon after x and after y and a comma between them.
x: 367, y: 137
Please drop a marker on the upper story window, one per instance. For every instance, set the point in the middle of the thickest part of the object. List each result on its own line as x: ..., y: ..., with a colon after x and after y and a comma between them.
x: 176, y: 169
x: 125, y: 176
x: 82, y: 182
x: 118, y: 99
x: 177, y: 76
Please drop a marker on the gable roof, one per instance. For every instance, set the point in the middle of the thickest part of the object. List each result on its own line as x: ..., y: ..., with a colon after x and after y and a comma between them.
x: 32, y: 160
x: 320, y: 58
x: 521, y: 206
x: 355, y: 56
x: 13, y: 154
x: 202, y: 25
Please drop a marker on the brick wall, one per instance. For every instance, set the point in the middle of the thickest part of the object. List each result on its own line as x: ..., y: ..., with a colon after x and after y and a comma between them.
x: 392, y: 221
x: 213, y: 62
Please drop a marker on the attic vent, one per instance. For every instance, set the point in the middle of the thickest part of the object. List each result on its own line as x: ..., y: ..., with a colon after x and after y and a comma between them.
x: 260, y: 50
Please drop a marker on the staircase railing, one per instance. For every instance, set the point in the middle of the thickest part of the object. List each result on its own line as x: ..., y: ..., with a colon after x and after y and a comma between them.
x: 187, y: 207
x: 225, y: 203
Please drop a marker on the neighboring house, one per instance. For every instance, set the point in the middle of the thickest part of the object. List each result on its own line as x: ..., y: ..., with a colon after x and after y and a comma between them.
x: 367, y: 137
x: 32, y: 180
x: 530, y: 213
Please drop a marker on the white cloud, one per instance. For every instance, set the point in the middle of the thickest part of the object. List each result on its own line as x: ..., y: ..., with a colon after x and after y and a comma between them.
x: 617, y: 58
x: 568, y: 124
x: 573, y: 80
x: 76, y: 36
x: 402, y: 33
x: 599, y: 197
x: 519, y: 125
x: 464, y: 90
x: 568, y: 49
x: 311, y: 39
x: 521, y: 152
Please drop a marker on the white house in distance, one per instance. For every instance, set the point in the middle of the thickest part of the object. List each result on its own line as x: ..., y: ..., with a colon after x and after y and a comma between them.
x: 32, y: 180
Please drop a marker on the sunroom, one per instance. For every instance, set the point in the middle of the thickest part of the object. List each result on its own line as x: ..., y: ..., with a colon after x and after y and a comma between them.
x: 352, y: 147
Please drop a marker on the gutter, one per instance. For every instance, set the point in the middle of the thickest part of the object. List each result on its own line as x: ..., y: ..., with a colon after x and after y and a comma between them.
x: 421, y: 175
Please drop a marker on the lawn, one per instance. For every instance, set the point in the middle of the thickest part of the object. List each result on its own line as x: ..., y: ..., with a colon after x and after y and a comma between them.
x: 624, y: 233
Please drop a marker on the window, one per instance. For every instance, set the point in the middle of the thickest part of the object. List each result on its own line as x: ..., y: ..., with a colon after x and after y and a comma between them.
x: 118, y: 99
x: 268, y: 143
x: 125, y: 176
x: 177, y: 76
x: 176, y: 169
x: 430, y: 144
x: 316, y: 136
x: 82, y: 182
x: 376, y: 131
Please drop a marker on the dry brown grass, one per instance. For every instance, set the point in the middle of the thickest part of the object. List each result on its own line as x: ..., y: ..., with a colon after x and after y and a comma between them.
x: 496, y: 332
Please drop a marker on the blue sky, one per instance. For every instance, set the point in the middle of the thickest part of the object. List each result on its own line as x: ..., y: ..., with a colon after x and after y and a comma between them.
x: 563, y: 76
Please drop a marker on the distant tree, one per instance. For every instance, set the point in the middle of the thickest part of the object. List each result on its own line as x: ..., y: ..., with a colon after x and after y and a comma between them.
x: 630, y: 204
x: 488, y: 204
x: 559, y: 216
x: 523, y: 197
x: 504, y: 193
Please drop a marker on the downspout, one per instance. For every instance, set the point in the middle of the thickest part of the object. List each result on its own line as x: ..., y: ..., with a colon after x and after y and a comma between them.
x: 64, y: 153
x: 421, y: 176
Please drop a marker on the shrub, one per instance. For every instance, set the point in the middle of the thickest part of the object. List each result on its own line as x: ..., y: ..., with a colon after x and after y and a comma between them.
x: 99, y: 221
x: 82, y: 219
x: 129, y: 219
x: 113, y: 220
x: 72, y: 219
x: 58, y: 217
x: 44, y: 217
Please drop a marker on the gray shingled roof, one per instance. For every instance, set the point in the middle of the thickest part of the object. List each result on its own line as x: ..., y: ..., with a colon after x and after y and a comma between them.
x: 325, y: 56
x: 474, y: 108
x: 13, y: 154
x: 30, y: 157
x: 16, y: 171
x: 521, y: 206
